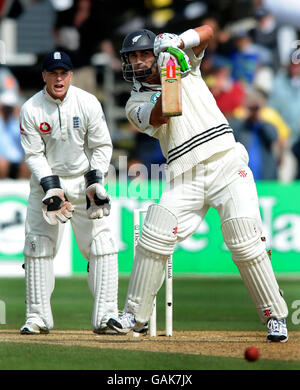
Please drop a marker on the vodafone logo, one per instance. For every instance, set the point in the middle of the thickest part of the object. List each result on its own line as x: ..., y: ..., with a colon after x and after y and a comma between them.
x: 45, y: 128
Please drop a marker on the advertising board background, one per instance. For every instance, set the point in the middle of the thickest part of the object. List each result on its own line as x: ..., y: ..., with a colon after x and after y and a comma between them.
x: 203, y: 253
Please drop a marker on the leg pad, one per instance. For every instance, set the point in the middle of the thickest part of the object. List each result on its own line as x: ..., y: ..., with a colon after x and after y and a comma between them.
x: 103, y: 279
x: 39, y: 277
x: 156, y: 244
x: 243, y: 238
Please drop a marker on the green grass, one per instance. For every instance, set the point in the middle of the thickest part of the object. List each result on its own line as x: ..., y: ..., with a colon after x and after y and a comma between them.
x: 199, y: 304
x: 37, y: 357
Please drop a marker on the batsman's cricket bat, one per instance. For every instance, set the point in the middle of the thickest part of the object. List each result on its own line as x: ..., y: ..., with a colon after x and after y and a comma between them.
x: 171, y: 89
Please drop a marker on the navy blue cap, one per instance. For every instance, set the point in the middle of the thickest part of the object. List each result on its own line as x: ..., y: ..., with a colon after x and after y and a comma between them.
x: 57, y: 59
x: 242, y: 33
x: 261, y: 12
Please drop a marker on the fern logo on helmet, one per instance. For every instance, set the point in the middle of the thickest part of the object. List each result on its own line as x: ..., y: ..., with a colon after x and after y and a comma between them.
x: 45, y: 128
x: 136, y: 38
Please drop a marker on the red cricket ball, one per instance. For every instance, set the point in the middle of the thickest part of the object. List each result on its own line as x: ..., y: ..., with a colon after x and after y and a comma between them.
x: 251, y: 354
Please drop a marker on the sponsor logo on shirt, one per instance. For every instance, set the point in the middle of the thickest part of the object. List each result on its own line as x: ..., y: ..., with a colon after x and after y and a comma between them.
x: 154, y: 97
x: 45, y: 128
x: 138, y: 114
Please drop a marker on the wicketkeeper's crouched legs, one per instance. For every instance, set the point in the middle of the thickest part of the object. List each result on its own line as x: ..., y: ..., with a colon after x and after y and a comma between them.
x: 39, y: 278
x: 243, y: 238
x: 103, y: 279
x: 155, y: 245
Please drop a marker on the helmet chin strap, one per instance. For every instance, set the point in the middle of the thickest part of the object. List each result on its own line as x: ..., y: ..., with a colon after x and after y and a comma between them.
x: 147, y: 72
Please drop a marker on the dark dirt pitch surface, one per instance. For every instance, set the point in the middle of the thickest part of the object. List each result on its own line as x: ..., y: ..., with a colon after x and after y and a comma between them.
x: 206, y: 343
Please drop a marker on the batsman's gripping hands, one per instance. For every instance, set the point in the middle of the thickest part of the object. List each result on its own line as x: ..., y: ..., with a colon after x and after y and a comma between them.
x: 178, y: 56
x: 165, y: 40
x: 56, y: 206
x: 97, y: 199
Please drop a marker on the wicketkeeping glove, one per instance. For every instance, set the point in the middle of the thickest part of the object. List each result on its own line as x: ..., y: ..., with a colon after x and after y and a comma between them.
x: 56, y: 206
x: 163, y: 41
x: 97, y: 199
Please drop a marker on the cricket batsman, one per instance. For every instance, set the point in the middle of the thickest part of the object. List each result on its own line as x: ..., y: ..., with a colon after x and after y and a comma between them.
x: 206, y: 168
x: 68, y: 150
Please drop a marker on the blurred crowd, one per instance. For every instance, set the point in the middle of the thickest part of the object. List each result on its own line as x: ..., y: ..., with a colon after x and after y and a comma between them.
x: 252, y: 67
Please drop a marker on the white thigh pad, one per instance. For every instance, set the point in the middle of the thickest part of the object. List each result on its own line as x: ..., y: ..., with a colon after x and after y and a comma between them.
x: 243, y: 238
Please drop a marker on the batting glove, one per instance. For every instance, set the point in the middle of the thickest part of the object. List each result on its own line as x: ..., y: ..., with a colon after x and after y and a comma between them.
x: 97, y: 199
x: 178, y: 56
x: 56, y: 206
x: 182, y: 60
x: 163, y: 41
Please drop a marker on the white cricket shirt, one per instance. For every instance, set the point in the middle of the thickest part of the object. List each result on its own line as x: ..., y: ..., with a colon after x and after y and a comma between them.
x: 64, y: 138
x: 200, y: 132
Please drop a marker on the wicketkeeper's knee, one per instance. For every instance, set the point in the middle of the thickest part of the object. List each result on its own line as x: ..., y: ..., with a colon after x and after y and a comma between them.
x: 38, y: 246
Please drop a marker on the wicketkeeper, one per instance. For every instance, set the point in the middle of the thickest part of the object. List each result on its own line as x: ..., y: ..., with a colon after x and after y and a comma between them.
x: 68, y: 150
x: 206, y: 167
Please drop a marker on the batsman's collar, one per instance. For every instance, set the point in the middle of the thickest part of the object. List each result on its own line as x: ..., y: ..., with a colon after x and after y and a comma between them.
x: 139, y: 86
x: 57, y: 59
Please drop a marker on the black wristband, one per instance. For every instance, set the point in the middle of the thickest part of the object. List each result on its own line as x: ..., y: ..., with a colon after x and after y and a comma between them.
x: 49, y: 182
x: 94, y: 176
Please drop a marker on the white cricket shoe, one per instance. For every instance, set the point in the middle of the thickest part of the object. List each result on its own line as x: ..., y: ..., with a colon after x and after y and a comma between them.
x: 277, y: 331
x: 32, y: 328
x: 126, y: 323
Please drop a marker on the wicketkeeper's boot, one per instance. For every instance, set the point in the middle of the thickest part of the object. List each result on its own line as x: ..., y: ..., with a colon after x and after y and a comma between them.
x: 31, y: 327
x: 277, y: 330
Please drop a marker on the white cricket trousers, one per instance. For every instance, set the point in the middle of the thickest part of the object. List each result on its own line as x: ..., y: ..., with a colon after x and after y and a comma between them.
x: 224, y: 182
x: 96, y: 242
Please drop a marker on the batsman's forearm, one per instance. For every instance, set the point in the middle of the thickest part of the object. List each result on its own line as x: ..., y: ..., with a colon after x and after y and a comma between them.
x: 197, y: 38
x: 205, y: 33
x: 156, y: 117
